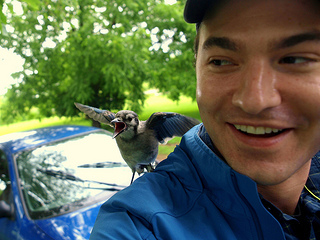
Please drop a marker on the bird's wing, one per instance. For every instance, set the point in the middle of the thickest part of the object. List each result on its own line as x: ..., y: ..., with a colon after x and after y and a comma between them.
x: 167, y: 124
x: 103, y: 116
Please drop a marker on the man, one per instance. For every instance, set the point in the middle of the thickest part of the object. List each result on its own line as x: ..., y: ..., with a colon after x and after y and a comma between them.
x: 252, y: 170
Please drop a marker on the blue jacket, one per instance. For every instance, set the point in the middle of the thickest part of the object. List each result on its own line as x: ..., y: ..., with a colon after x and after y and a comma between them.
x: 190, y: 195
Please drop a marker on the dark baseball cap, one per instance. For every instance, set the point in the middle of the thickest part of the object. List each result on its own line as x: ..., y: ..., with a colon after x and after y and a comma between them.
x: 195, y: 10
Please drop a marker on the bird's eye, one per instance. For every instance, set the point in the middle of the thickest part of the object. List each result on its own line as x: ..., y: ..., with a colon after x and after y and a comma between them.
x: 129, y: 119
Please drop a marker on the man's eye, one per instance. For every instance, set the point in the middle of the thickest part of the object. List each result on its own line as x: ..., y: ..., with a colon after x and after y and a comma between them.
x: 220, y: 62
x: 294, y: 60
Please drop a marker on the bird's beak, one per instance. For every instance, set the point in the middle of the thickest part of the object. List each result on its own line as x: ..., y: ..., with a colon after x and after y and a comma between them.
x: 119, y: 127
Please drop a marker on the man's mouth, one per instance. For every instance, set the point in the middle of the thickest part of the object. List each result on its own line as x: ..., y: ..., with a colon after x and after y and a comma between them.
x: 258, y: 131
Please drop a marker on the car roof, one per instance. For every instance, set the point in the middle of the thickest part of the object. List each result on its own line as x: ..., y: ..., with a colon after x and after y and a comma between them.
x: 19, y: 141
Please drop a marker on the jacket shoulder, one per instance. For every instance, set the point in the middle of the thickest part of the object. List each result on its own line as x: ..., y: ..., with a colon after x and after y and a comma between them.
x: 161, y: 191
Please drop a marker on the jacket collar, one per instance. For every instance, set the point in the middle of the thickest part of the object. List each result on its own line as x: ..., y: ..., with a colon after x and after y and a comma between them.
x: 201, y: 171
x: 233, y: 193
x: 226, y: 187
x: 313, y: 182
x: 218, y: 178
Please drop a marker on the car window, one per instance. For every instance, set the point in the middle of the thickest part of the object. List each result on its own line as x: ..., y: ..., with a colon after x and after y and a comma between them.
x: 54, y: 181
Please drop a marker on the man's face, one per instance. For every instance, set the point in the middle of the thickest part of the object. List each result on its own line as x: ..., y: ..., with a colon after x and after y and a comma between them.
x: 258, y: 90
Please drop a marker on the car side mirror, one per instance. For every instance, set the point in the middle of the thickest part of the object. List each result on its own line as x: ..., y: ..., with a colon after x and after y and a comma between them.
x: 5, y: 210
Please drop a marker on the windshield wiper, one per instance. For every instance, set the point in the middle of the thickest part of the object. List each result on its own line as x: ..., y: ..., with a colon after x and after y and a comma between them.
x: 103, y: 165
x: 68, y: 176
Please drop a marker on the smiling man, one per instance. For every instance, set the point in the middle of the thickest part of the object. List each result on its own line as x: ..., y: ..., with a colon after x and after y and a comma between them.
x: 259, y: 91
x: 252, y: 170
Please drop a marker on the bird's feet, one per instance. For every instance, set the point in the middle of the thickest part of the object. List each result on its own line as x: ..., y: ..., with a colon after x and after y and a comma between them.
x: 141, y: 167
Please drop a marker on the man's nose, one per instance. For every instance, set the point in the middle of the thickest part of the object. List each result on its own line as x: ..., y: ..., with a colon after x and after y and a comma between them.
x: 256, y: 90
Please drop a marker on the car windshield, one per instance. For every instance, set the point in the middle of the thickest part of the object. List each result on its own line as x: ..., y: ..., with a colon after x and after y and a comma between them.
x: 54, y: 179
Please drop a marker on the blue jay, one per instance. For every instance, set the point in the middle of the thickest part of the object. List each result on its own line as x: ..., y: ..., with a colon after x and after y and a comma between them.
x: 138, y: 141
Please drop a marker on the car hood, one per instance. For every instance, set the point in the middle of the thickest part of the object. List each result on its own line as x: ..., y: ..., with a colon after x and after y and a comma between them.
x: 75, y: 225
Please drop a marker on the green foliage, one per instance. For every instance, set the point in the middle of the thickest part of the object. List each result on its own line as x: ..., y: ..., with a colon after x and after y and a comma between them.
x: 3, y: 18
x: 175, y: 75
x: 96, y: 52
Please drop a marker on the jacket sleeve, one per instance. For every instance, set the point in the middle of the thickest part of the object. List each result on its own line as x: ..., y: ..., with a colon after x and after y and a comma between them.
x: 117, y: 223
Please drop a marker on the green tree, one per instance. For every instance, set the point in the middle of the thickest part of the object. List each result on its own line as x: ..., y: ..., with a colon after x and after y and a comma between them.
x: 98, y: 53
x: 9, y: 5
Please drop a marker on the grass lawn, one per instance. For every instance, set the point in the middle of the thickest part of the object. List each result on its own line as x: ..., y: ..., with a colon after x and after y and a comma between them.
x: 159, y: 103
x: 155, y: 103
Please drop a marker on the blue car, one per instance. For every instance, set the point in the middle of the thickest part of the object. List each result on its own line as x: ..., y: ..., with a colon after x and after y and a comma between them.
x: 54, y: 180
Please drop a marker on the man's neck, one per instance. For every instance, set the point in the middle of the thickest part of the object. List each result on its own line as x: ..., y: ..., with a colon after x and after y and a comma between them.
x: 285, y: 195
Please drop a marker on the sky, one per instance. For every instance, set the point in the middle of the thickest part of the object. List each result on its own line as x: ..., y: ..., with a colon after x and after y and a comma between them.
x: 9, y: 63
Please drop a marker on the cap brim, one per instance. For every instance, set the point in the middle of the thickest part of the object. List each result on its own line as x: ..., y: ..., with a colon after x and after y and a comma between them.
x: 195, y: 10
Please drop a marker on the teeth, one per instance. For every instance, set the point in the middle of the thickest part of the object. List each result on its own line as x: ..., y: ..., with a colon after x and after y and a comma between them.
x: 256, y: 130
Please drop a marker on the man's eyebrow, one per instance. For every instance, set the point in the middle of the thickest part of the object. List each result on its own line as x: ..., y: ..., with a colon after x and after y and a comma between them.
x: 297, y: 39
x: 221, y: 42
